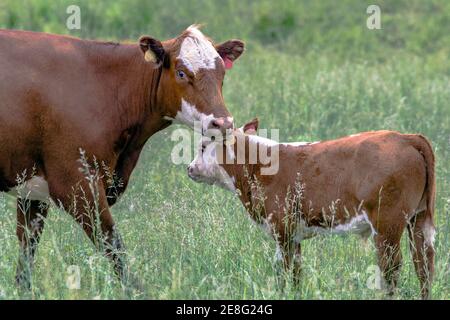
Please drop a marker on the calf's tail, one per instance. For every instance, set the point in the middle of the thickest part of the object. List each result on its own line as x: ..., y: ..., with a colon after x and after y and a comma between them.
x: 423, y: 146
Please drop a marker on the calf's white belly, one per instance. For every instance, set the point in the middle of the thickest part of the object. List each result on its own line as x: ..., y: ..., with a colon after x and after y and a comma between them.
x: 34, y: 189
x: 359, y: 224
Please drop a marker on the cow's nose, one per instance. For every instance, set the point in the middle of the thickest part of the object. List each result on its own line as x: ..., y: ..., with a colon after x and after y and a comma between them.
x: 190, y: 170
x: 223, y: 123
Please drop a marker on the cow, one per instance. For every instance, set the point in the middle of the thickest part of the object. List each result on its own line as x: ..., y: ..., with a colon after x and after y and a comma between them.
x: 61, y: 95
x: 373, y: 184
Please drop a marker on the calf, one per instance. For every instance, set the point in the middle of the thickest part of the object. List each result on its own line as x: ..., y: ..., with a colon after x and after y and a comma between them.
x: 374, y: 184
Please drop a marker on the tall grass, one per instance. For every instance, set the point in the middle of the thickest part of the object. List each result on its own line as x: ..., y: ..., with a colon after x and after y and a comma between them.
x: 313, y: 70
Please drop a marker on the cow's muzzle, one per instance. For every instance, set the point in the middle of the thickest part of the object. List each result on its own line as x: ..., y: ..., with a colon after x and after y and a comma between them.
x: 221, y: 124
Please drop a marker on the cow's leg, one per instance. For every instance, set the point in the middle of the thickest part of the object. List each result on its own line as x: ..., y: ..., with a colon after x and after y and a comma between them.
x: 291, y: 258
x: 88, y: 205
x: 389, y: 257
x: 297, y: 263
x: 421, y: 235
x: 30, y: 223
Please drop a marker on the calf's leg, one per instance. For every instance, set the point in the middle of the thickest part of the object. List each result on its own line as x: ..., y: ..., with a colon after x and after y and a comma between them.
x: 389, y: 257
x: 421, y: 234
x: 30, y: 224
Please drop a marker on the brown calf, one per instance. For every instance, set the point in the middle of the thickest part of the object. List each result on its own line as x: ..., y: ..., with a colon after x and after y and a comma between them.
x: 373, y: 183
x: 60, y: 94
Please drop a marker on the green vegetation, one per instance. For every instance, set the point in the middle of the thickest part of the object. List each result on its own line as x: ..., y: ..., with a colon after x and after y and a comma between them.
x: 313, y: 70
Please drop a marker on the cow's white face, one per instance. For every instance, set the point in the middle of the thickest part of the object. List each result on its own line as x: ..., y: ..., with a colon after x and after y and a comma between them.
x: 197, y: 58
x: 197, y: 52
x: 206, y: 166
x: 189, y: 115
x: 192, y: 74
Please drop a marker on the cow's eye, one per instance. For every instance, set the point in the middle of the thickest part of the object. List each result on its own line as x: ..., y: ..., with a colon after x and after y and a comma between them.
x: 181, y: 74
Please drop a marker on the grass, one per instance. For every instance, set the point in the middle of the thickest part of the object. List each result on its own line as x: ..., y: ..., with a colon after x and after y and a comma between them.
x: 313, y: 70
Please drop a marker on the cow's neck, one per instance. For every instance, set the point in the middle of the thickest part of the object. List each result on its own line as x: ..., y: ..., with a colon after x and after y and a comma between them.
x: 134, y: 84
x: 130, y: 85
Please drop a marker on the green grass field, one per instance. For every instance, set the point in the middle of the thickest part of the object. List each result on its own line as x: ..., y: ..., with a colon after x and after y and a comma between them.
x: 313, y: 70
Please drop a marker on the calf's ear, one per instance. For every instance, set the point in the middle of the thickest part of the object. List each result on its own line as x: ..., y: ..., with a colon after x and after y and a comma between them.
x: 230, y: 51
x: 153, y: 50
x: 251, y: 127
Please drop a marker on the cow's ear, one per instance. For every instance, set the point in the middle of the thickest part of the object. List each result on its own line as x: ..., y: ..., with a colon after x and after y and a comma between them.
x: 153, y: 50
x: 230, y: 51
x: 251, y: 127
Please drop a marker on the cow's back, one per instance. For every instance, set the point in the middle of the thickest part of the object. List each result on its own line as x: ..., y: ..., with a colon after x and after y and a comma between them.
x: 37, y: 70
x: 38, y: 67
x: 32, y: 58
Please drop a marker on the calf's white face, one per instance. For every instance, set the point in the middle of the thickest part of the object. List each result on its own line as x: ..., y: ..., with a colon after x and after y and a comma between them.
x: 206, y: 168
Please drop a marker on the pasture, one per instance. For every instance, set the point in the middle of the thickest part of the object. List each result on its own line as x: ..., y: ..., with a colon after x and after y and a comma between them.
x: 311, y: 69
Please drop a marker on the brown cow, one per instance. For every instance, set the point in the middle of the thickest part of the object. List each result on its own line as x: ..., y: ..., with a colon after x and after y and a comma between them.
x: 59, y: 94
x: 373, y: 183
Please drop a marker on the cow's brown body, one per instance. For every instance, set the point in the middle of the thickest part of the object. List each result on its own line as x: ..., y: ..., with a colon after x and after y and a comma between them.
x: 60, y: 94
x: 375, y: 183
